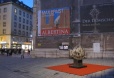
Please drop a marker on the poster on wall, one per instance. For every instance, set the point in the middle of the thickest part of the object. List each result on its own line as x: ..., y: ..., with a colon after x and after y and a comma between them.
x: 101, y: 16
x: 96, y: 47
x: 54, y: 22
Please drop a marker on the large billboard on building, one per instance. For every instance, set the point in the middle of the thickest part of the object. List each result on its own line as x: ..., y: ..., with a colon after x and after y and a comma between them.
x: 99, y: 16
x: 53, y: 22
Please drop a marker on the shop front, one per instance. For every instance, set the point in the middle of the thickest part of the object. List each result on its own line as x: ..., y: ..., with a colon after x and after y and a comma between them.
x: 16, y: 46
x: 27, y: 45
x: 4, y: 45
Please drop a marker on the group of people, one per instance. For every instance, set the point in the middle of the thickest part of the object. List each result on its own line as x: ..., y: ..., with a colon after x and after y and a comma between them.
x: 9, y: 52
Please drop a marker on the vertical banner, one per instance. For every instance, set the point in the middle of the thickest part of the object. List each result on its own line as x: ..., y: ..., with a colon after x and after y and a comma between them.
x: 39, y: 23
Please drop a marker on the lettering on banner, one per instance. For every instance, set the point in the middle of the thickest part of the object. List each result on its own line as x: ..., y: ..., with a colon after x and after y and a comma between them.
x: 55, y: 32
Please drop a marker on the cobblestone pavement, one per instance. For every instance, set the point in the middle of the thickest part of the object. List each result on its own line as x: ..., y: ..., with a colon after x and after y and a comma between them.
x: 15, y: 67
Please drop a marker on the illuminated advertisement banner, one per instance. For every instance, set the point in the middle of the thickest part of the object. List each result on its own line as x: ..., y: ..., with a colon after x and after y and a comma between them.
x: 54, y: 22
x: 101, y: 16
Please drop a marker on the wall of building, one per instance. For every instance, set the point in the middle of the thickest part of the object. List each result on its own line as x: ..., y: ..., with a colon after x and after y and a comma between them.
x: 87, y: 40
x: 7, y: 14
x: 18, y: 29
x: 104, y: 48
x: 5, y: 25
x: 92, y: 2
x: 51, y: 41
x: 21, y: 26
x: 50, y: 4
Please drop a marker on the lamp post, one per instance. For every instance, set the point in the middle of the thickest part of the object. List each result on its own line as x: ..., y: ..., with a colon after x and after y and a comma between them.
x: 94, y: 14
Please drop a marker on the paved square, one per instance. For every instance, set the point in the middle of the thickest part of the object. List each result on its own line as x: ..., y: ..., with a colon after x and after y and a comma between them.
x: 15, y: 67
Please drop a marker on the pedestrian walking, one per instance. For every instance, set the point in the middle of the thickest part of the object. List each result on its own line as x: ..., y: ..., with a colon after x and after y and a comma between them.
x: 28, y: 51
x: 22, y: 53
x: 10, y: 52
x: 7, y: 51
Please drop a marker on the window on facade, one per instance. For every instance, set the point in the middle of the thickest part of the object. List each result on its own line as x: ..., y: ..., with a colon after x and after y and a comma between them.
x: 4, y: 17
x: 4, y: 31
x: 30, y: 28
x: 27, y: 21
x: 5, y: 10
x: 4, y: 24
x: 27, y: 39
x: 15, y: 31
x: 27, y: 15
x: 19, y: 12
x: 30, y: 22
x: 15, y: 17
x: 23, y: 20
x: 30, y: 16
x: 15, y: 24
x: 15, y: 10
x: 26, y: 27
x: 23, y: 14
x: 23, y: 26
x: 0, y: 10
x: 26, y: 33
x: 0, y: 17
x: 23, y: 33
x: 19, y: 25
x: 19, y: 19
x: 19, y: 32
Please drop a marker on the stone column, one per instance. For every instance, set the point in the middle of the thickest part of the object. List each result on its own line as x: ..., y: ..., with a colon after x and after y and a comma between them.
x: 36, y: 7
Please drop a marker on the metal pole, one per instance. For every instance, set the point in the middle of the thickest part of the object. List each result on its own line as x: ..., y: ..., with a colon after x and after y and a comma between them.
x: 79, y: 3
x: 95, y: 28
x: 104, y: 44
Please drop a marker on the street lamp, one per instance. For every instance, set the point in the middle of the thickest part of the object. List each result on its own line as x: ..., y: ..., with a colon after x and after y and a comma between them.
x: 94, y: 14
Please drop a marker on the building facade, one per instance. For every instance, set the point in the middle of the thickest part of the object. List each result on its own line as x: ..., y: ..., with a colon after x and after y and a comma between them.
x: 86, y: 23
x: 15, y: 24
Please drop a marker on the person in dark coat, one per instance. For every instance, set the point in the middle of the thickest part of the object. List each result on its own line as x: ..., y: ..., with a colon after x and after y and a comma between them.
x: 22, y: 53
x: 28, y: 51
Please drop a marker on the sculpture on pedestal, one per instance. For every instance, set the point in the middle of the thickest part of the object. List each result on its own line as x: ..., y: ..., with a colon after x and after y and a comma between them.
x: 77, y: 55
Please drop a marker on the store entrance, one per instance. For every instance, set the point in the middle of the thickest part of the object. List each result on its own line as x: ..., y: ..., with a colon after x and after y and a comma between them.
x: 16, y: 46
x: 4, y: 45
